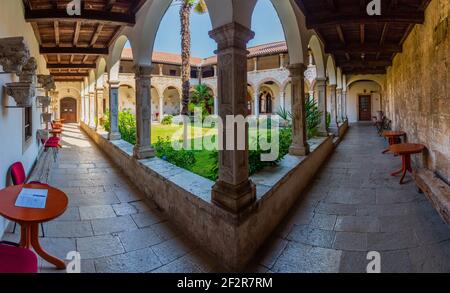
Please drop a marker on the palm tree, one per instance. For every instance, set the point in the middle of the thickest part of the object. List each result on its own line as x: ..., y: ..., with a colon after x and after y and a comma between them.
x: 185, y: 17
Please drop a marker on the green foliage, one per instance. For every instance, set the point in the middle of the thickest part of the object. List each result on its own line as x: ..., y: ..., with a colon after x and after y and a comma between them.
x: 181, y: 158
x: 312, y: 117
x: 167, y: 120
x: 328, y: 119
x: 127, y: 126
x: 254, y: 156
x: 202, y: 98
x: 105, y: 121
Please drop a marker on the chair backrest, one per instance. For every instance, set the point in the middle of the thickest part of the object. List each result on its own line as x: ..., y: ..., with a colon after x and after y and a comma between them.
x: 18, y: 175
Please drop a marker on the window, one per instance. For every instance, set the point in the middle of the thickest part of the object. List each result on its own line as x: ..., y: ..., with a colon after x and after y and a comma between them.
x: 173, y: 72
x: 28, y: 125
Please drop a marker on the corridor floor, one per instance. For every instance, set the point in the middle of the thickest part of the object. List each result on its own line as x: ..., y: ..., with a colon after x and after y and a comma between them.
x: 353, y: 207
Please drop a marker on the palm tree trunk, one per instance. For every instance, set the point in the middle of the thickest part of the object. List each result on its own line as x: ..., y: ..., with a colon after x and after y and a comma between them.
x: 185, y: 12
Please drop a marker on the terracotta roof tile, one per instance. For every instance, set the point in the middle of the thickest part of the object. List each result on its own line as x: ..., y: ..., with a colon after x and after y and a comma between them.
x: 162, y: 57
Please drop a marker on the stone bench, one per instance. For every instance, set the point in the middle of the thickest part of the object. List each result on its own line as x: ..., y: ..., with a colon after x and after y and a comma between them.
x: 436, y: 190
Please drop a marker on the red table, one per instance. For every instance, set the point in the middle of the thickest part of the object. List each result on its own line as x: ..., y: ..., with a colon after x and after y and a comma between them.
x: 29, y: 219
x: 406, y: 150
x: 394, y: 137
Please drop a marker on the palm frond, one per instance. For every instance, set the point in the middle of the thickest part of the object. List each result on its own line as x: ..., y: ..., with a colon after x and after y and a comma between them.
x: 201, y: 7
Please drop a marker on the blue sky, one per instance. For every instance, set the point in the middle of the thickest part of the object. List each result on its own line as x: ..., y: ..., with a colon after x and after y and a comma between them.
x: 265, y: 24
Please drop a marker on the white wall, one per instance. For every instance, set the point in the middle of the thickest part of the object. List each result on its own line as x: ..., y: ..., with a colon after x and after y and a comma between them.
x: 362, y: 88
x: 12, y: 24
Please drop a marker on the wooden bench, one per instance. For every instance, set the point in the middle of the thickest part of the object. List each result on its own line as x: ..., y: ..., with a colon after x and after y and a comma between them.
x: 436, y: 190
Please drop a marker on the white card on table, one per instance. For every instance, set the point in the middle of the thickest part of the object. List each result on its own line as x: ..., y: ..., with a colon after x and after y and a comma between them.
x: 32, y: 198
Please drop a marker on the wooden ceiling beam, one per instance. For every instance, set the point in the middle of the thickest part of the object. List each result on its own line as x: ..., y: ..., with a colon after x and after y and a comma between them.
x: 76, y: 34
x: 324, y: 20
x: 73, y: 50
x: 361, y: 63
x: 363, y: 71
x: 71, y: 74
x: 71, y: 66
x: 96, y: 34
x: 87, y: 15
x: 366, y: 48
x: 56, y: 29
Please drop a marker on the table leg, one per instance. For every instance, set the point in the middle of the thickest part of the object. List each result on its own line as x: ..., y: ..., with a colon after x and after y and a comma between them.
x: 25, y: 236
x: 406, y: 159
x: 41, y: 252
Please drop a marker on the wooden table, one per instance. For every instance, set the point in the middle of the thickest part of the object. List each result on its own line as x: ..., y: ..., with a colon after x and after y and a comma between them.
x: 394, y: 137
x: 406, y: 150
x: 29, y: 219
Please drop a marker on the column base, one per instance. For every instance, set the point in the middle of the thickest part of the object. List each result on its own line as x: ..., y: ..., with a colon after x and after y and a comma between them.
x: 93, y: 126
x: 299, y: 151
x: 141, y: 153
x: 234, y: 198
x: 114, y: 136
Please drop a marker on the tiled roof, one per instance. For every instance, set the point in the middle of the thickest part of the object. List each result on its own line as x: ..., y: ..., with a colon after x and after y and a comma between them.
x: 162, y: 57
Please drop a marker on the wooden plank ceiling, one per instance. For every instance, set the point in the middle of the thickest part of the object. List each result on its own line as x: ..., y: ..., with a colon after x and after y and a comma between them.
x: 363, y: 44
x: 72, y: 44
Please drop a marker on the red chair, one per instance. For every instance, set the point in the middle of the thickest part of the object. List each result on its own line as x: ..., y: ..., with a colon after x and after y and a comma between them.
x: 19, y: 177
x: 16, y: 260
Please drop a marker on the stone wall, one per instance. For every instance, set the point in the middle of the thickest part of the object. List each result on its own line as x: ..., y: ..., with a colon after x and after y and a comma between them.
x: 418, y: 85
x: 186, y: 198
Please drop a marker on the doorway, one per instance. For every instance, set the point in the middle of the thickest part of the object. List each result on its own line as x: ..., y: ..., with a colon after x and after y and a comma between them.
x: 68, y: 110
x: 365, y: 108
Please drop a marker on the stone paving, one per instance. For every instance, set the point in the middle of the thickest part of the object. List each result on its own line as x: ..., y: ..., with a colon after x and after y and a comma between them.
x: 353, y: 207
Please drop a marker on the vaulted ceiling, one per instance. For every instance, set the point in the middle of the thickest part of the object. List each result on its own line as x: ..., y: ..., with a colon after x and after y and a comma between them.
x: 361, y: 43
x: 72, y: 44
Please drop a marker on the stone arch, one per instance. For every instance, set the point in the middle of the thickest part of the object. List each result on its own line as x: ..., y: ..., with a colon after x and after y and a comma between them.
x: 339, y: 78
x: 331, y: 71
x: 100, y: 72
x: 379, y: 79
x: 115, y: 57
x: 318, y: 55
x: 268, y: 79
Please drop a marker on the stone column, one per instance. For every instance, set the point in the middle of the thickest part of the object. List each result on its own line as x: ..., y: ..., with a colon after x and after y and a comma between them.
x: 340, y: 104
x: 256, y: 103
x: 344, y: 96
x: 333, y: 106
x: 143, y: 148
x: 282, y: 100
x: 255, y: 64
x: 161, y: 108
x: 322, y: 97
x: 281, y: 61
x: 92, y: 110
x: 233, y: 191
x: 215, y: 70
x: 160, y: 66
x: 216, y: 106
x: 99, y: 100
x: 299, y: 145
x: 83, y: 109
x: 87, y: 116
x: 114, y: 133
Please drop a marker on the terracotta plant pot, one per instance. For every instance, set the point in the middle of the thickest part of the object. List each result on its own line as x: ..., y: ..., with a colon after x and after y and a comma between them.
x: 22, y: 92
x: 46, y: 117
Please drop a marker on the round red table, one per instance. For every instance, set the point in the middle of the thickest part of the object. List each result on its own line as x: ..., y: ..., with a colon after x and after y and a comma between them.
x: 406, y: 150
x: 29, y: 219
x: 394, y: 137
x: 56, y: 132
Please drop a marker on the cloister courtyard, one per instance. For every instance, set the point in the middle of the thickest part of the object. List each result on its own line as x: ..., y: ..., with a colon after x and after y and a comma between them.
x: 217, y: 136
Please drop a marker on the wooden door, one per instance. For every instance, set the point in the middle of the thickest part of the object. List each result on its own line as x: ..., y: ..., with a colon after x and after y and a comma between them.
x: 365, y: 108
x: 69, y: 110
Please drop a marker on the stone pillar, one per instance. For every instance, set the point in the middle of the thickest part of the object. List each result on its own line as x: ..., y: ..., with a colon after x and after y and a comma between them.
x: 340, y: 107
x: 83, y: 109
x: 322, y: 97
x: 255, y: 64
x: 216, y: 106
x: 87, y: 116
x: 215, y: 70
x: 333, y: 106
x: 161, y: 108
x: 143, y: 148
x: 99, y: 100
x: 344, y: 96
x: 282, y: 100
x: 233, y: 190
x: 299, y: 145
x: 160, y: 67
x: 256, y: 103
x: 114, y: 133
x: 92, y: 110
x: 281, y: 61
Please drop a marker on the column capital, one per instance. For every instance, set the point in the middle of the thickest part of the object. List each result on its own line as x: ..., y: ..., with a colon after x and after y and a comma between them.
x: 333, y: 86
x: 143, y: 71
x: 321, y: 81
x: 113, y: 83
x: 232, y: 35
x: 297, y: 70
